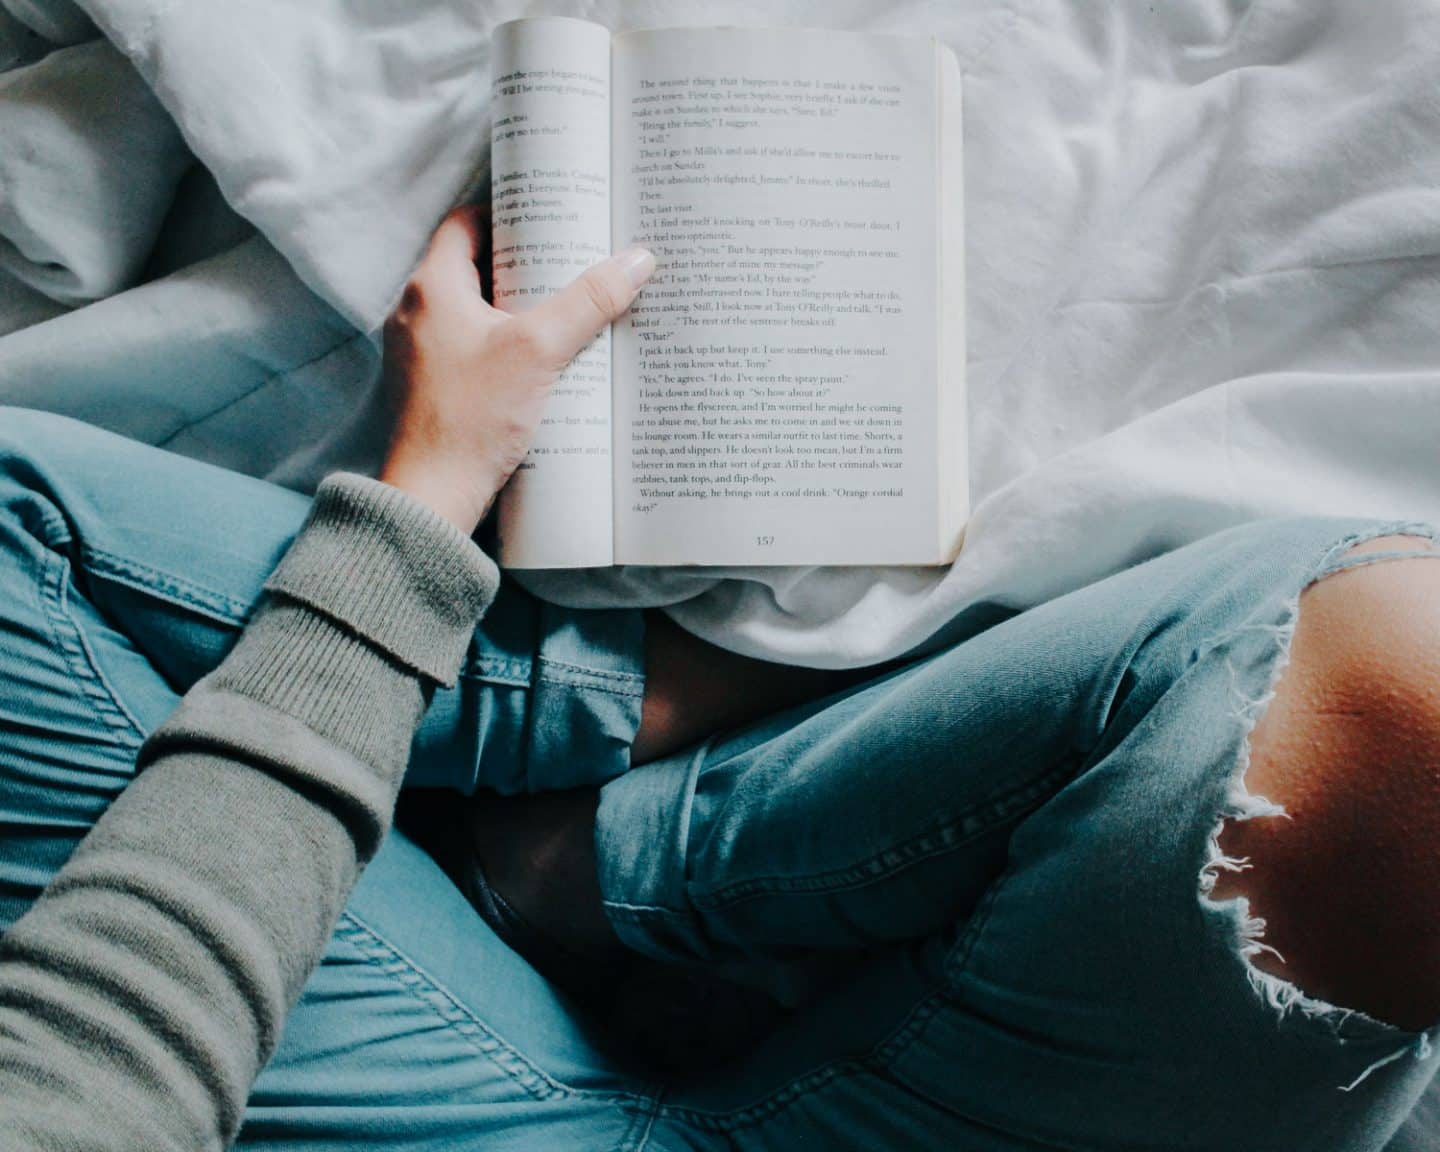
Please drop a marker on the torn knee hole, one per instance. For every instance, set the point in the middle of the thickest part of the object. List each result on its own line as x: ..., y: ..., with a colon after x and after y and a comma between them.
x: 1325, y: 846
x: 1336, y: 997
x: 1223, y: 879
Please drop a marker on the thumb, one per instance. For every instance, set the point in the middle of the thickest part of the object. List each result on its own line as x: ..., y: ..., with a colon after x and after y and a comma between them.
x: 569, y: 320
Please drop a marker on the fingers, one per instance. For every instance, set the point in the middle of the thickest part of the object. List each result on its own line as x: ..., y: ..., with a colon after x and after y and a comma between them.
x: 569, y: 320
x: 449, y: 264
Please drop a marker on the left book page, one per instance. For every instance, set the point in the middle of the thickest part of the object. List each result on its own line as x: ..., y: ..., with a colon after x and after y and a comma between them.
x: 550, y: 204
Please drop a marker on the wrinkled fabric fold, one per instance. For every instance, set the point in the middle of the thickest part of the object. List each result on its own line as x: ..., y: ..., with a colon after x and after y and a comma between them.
x: 88, y: 171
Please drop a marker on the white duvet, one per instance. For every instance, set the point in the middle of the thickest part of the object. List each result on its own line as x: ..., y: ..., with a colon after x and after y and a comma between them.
x: 1202, y: 244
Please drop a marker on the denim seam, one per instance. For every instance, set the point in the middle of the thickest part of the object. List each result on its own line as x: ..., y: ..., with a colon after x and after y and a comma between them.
x: 449, y: 1008
x: 771, y: 1104
x: 579, y: 676
x: 885, y: 1051
x: 165, y: 585
x: 883, y: 1054
x: 70, y: 642
x: 637, y: 1136
x: 955, y: 830
x: 527, y: 674
x: 958, y: 958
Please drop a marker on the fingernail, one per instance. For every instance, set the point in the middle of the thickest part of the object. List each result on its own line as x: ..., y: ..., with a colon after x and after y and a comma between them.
x: 638, y: 264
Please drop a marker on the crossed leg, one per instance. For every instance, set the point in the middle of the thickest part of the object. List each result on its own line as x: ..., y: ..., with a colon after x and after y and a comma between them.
x: 1037, y: 808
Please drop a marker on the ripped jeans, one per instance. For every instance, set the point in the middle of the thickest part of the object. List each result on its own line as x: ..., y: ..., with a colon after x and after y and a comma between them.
x: 982, y: 879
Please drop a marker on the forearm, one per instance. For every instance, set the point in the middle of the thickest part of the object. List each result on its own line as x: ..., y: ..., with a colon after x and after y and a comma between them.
x: 147, y: 987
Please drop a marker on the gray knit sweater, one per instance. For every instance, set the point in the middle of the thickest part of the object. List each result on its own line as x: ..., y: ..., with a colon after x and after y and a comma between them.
x: 144, y: 991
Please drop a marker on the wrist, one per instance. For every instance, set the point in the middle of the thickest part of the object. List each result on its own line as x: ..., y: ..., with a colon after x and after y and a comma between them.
x: 461, y: 499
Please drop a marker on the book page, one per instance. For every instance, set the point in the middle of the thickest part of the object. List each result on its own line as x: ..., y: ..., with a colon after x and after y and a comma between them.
x: 953, y: 424
x: 550, y: 205
x: 776, y: 385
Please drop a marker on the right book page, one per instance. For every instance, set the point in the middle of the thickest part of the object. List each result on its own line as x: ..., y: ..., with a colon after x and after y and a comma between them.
x: 777, y: 388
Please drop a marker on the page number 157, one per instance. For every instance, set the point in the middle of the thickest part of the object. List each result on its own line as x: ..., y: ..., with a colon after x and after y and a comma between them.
x: 764, y: 541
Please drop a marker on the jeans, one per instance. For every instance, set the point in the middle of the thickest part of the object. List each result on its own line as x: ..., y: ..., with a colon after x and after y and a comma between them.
x: 979, y: 880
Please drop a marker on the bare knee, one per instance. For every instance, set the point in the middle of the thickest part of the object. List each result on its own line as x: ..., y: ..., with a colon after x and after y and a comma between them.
x: 1349, y: 883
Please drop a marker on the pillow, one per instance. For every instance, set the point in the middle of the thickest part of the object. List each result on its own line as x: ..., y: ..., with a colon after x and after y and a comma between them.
x: 89, y: 169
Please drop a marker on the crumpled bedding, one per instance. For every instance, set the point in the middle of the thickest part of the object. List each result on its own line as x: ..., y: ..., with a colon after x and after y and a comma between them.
x: 1203, y: 244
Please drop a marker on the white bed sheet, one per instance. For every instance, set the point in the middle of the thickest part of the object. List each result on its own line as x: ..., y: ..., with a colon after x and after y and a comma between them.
x: 1202, y: 246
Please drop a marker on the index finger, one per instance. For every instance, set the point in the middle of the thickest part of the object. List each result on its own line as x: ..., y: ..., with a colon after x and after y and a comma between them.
x: 449, y: 262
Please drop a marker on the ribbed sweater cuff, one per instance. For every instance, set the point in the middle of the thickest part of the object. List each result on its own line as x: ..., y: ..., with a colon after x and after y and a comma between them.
x: 307, y: 667
x: 392, y: 571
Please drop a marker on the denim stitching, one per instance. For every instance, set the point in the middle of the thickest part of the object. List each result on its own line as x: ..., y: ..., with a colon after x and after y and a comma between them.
x: 578, y: 676
x: 449, y: 1008
x: 637, y: 1136
x: 884, y: 1053
x: 70, y: 642
x: 586, y: 669
x: 177, y: 589
x: 771, y: 1104
x: 958, y: 958
x: 525, y: 673
x: 389, y: 961
x: 953, y: 832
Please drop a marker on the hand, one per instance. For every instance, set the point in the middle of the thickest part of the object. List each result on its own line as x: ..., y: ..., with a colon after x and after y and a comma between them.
x: 469, y: 381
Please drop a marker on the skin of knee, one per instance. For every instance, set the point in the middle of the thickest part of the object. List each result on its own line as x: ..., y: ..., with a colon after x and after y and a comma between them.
x: 1348, y: 881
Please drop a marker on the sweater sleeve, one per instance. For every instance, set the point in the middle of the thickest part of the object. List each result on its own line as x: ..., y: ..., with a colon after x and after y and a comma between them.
x: 147, y: 986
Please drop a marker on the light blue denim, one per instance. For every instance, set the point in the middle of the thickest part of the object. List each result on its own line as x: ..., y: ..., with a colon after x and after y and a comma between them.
x: 979, y: 879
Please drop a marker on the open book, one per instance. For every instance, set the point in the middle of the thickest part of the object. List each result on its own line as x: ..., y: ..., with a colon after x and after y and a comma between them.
x: 790, y: 387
